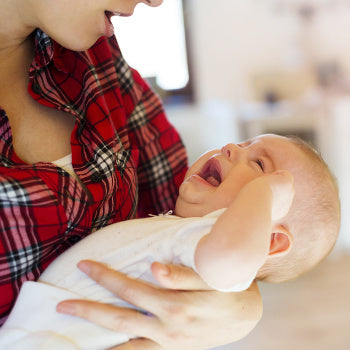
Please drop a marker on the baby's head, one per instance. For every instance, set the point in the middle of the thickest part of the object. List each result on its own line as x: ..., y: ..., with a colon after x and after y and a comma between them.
x: 313, y: 219
x: 312, y: 224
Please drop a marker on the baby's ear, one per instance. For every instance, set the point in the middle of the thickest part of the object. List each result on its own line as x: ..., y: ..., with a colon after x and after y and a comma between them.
x: 281, y: 241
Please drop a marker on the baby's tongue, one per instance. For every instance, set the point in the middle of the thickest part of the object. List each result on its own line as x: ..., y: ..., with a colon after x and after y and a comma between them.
x: 214, y: 182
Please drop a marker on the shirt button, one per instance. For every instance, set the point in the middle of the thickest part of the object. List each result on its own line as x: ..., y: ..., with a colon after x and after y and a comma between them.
x: 36, y: 88
x: 74, y: 239
x: 96, y: 177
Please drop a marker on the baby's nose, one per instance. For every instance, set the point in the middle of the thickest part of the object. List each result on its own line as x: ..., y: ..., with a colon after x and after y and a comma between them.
x: 231, y: 151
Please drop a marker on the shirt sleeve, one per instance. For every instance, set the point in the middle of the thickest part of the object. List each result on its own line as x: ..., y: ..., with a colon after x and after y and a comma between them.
x: 20, y: 248
x: 32, y: 227
x: 44, y: 328
x: 162, y: 158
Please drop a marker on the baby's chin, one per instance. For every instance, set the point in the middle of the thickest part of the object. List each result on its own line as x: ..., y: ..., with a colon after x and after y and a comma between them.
x: 189, y: 210
x: 178, y: 208
x: 182, y: 209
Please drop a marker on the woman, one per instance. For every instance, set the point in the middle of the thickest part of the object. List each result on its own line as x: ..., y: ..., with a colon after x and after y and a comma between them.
x: 113, y: 145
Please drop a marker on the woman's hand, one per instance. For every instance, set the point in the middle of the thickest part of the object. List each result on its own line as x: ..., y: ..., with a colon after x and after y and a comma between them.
x: 188, y: 316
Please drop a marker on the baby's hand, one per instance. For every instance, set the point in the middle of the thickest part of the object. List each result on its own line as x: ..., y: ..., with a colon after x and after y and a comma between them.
x: 282, y: 187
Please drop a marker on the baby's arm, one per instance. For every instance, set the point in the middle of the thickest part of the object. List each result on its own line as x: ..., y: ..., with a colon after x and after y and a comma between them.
x: 239, y: 242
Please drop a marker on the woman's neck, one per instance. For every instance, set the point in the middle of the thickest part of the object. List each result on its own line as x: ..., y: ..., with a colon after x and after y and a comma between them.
x: 16, y: 49
x: 14, y: 66
x: 17, y: 22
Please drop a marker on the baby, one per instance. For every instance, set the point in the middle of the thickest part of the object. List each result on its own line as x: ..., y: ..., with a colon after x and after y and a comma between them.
x: 265, y: 209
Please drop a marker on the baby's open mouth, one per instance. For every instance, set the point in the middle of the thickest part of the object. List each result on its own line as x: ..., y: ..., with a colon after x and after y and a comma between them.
x: 211, y: 172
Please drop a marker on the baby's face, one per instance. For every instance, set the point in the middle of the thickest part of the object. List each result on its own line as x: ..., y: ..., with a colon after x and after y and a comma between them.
x: 216, y: 178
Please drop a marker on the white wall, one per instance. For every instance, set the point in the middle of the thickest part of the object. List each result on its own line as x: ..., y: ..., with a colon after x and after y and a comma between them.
x: 205, y: 126
x: 231, y: 40
x: 234, y: 39
x: 330, y: 35
x: 340, y: 162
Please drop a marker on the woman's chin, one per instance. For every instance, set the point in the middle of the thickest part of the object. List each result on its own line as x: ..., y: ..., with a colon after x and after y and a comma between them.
x: 81, y: 44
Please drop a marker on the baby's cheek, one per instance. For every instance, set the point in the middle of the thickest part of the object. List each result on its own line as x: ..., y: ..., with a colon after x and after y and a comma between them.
x: 183, y: 190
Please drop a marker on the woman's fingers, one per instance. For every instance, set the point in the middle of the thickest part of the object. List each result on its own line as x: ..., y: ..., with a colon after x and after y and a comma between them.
x: 177, y: 277
x: 119, y: 319
x: 182, y: 319
x: 136, y: 292
x: 138, y: 344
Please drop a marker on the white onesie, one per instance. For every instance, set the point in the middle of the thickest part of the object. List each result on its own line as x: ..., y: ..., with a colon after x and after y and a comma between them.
x: 130, y: 247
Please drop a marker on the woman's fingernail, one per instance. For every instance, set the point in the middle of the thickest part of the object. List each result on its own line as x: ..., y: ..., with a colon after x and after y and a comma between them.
x: 65, y: 308
x: 165, y: 271
x: 83, y: 266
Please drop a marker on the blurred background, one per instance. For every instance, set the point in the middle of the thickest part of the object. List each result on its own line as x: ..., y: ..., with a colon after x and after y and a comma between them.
x: 228, y: 70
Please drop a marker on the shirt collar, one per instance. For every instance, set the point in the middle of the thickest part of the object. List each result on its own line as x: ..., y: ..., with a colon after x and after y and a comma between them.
x: 43, y: 50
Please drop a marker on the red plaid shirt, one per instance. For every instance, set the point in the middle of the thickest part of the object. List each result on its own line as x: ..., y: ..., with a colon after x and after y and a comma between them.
x: 123, y: 150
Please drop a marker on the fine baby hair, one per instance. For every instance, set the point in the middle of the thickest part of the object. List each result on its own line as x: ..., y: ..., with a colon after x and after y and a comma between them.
x: 313, y: 219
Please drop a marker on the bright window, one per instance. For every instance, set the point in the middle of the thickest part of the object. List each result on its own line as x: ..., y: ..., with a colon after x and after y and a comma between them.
x: 153, y: 42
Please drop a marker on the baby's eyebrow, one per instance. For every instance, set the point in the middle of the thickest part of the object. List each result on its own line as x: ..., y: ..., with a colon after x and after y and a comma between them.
x: 263, y: 150
x: 265, y: 153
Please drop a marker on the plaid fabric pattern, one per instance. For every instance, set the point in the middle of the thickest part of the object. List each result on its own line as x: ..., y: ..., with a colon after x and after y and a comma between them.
x: 127, y: 155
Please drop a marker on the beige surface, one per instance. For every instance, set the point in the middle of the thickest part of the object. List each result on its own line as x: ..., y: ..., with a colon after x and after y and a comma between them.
x: 285, y: 84
x: 312, y: 312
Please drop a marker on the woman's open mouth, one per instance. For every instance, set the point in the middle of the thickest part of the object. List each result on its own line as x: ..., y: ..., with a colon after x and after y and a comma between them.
x: 211, y: 172
x: 110, y: 14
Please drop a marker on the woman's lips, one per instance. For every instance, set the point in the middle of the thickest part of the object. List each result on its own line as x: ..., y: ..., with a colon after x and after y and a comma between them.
x: 110, y: 14
x: 109, y: 29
